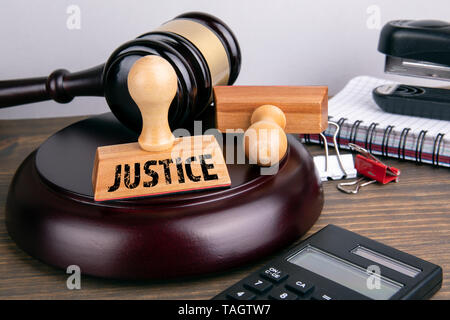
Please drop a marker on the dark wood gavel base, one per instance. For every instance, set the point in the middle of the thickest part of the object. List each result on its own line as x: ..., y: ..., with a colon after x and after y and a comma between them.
x: 51, y: 214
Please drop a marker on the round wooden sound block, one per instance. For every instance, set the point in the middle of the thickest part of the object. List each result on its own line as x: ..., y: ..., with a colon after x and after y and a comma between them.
x: 51, y: 214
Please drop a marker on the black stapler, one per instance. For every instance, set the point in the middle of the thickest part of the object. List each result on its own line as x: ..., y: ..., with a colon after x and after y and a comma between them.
x: 419, y: 48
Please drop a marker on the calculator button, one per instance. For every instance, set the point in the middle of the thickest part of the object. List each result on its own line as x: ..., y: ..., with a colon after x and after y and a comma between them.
x: 258, y: 285
x: 281, y: 294
x: 274, y: 274
x: 299, y: 286
x: 241, y: 294
x: 321, y: 295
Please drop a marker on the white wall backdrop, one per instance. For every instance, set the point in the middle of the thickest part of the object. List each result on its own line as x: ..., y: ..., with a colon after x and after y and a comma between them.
x: 283, y: 42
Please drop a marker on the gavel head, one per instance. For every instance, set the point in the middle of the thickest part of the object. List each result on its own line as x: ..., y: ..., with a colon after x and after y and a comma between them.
x: 202, y: 50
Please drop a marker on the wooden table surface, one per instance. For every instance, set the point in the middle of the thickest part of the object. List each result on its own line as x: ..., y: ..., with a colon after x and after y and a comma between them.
x: 412, y: 215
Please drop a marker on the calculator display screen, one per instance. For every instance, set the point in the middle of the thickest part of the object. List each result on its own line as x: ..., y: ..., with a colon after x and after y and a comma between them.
x: 345, y: 273
x: 388, y: 262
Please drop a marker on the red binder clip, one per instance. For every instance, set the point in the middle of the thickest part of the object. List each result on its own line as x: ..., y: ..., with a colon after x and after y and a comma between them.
x: 370, y: 167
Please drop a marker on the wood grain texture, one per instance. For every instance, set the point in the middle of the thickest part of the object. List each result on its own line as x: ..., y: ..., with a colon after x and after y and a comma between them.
x: 305, y: 107
x: 192, y: 163
x: 412, y: 215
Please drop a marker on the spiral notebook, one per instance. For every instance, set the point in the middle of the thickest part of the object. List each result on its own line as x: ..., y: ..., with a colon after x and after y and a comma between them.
x: 364, y: 123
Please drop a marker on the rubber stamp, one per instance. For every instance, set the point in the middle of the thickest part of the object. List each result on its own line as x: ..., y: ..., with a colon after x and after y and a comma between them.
x: 305, y: 107
x: 158, y: 163
x: 265, y: 141
x: 267, y: 113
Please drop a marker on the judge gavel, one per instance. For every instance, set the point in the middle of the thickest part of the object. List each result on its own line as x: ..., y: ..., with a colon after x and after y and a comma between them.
x: 201, y: 48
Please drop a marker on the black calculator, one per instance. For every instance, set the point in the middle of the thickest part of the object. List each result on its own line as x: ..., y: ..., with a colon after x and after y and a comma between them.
x: 337, y: 264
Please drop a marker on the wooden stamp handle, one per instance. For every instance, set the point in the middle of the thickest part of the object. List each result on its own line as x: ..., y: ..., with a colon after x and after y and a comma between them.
x: 265, y: 141
x: 152, y: 83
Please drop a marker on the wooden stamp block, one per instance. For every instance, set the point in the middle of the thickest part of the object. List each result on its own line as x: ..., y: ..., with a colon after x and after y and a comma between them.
x: 305, y: 107
x: 125, y: 170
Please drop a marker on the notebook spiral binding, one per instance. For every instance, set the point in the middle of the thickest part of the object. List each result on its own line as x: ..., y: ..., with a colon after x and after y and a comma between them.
x: 385, y: 143
x: 401, y: 150
x: 354, y: 130
x: 340, y: 123
x: 371, y: 130
x: 440, y: 136
x: 419, y: 144
x: 402, y: 143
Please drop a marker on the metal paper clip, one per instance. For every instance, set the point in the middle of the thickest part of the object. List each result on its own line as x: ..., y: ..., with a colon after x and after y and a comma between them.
x: 357, y: 183
x: 334, y: 167
x: 371, y: 168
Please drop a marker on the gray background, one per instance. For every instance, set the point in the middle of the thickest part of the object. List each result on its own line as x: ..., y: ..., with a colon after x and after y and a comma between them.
x: 283, y: 42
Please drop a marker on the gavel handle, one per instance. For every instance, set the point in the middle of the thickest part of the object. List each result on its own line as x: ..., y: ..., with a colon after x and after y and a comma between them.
x: 61, y: 86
